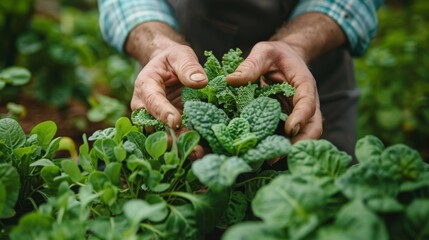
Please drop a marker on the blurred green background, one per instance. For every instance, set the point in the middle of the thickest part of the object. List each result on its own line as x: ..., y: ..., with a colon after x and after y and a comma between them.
x: 82, y: 84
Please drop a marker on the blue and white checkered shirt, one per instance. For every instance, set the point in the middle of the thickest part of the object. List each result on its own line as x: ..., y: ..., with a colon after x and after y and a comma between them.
x: 357, y: 18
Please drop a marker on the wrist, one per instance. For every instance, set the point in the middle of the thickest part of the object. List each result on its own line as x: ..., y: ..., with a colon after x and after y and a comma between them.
x: 311, y: 34
x: 148, y: 39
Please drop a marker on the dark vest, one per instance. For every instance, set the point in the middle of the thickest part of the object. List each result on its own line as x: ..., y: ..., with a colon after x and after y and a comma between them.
x: 219, y: 25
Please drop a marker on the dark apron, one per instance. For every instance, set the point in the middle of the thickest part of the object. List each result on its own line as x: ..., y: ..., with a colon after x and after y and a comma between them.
x: 219, y: 25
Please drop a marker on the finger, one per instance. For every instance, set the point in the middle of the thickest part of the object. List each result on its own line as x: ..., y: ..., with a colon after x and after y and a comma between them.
x: 255, y: 65
x: 312, y: 130
x: 305, y: 103
x: 150, y: 94
x: 187, y: 68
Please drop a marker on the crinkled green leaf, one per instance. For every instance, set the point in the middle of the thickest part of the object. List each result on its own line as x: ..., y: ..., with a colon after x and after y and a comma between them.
x: 191, y: 94
x: 263, y: 116
x: 221, y: 132
x: 368, y: 148
x: 202, y: 116
x: 143, y: 118
x: 212, y: 66
x: 237, y: 127
x: 245, y: 95
x: 219, y: 172
x: 284, y: 88
x: 231, y: 60
x: 269, y: 148
x: 289, y: 200
x: 402, y: 162
x: 317, y: 157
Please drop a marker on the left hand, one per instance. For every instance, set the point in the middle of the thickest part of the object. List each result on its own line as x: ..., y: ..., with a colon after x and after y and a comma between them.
x: 281, y: 62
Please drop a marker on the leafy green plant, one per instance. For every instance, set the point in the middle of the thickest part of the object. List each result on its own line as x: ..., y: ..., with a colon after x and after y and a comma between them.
x: 135, y: 180
x: 393, y: 78
x: 230, y: 99
x: 20, y: 158
x: 321, y: 198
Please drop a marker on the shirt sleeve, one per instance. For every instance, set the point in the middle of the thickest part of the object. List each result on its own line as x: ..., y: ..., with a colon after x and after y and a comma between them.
x: 119, y: 17
x: 357, y: 18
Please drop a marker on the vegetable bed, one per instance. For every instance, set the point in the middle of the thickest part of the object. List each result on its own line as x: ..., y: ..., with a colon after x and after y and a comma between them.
x: 124, y: 182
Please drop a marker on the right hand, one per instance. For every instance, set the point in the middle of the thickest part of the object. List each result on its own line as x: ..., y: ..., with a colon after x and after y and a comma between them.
x: 159, y: 84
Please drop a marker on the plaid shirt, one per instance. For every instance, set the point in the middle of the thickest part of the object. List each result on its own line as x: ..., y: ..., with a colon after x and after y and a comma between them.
x: 357, y: 18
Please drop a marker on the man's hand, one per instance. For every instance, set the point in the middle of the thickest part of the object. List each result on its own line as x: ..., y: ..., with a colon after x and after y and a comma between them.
x: 285, y: 58
x: 279, y: 62
x: 169, y: 64
x: 158, y: 86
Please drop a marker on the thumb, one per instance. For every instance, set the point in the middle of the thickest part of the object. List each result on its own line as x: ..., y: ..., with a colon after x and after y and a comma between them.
x: 254, y: 66
x: 187, y: 68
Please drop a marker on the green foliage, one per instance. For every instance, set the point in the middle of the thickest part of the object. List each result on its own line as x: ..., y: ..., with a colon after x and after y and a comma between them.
x: 231, y: 99
x: 62, y: 47
x: 249, y: 136
x: 21, y: 158
x: 135, y: 181
x: 320, y: 198
x: 393, y: 78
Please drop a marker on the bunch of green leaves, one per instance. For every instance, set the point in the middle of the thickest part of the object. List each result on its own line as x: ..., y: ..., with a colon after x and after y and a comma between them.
x: 393, y: 75
x: 20, y: 158
x: 231, y: 99
x: 384, y: 196
x: 251, y: 136
x: 126, y: 184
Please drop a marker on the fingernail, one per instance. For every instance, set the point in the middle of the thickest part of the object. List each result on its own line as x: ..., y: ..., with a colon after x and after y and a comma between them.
x: 197, y: 77
x: 170, y: 120
x: 295, y: 130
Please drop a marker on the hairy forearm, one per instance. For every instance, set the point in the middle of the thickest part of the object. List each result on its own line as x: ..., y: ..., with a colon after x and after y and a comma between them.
x: 146, y: 39
x: 311, y: 34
